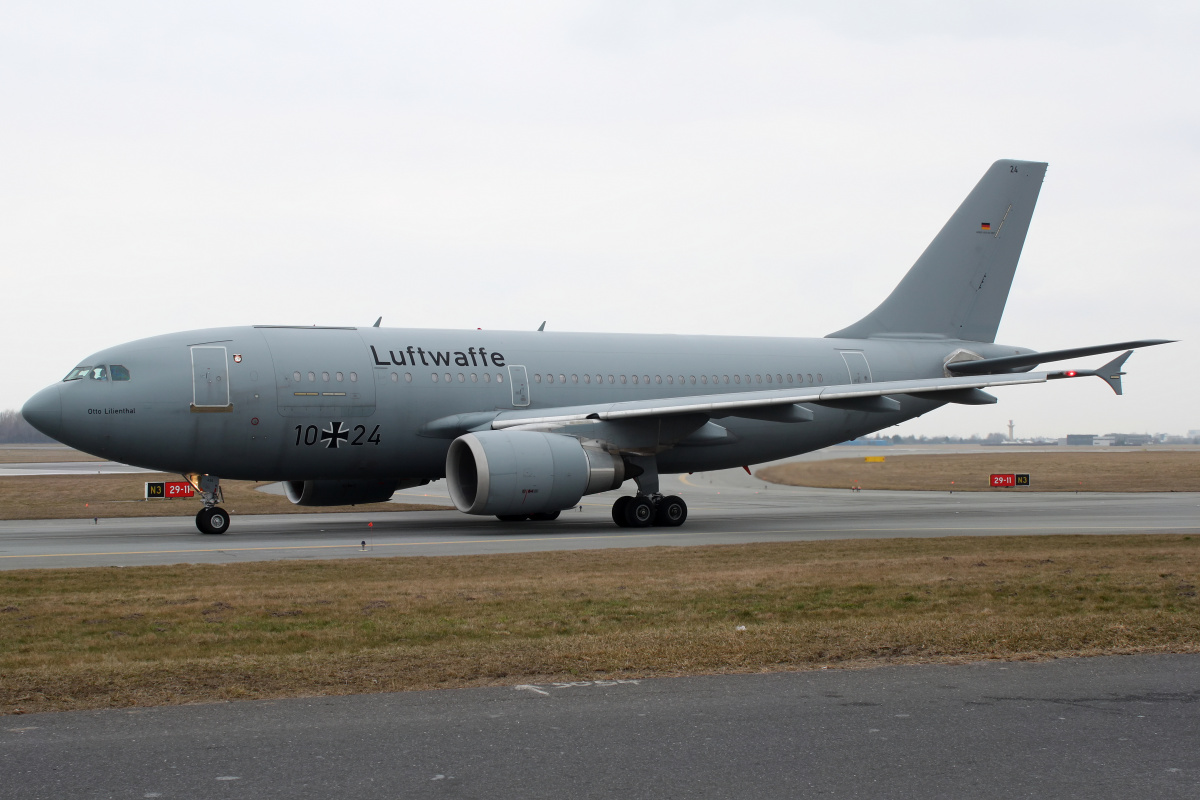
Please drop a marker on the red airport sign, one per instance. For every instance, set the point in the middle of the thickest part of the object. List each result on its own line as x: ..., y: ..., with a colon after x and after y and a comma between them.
x: 1008, y: 480
x: 169, y: 489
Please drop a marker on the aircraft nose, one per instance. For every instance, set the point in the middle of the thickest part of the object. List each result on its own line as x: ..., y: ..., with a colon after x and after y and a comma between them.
x: 44, y: 411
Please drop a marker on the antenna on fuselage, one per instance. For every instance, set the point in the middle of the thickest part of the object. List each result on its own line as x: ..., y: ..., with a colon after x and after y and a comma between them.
x: 376, y: 325
x: 542, y: 327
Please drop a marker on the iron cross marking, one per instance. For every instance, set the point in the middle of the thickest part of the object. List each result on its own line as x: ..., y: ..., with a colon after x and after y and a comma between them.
x: 334, y: 434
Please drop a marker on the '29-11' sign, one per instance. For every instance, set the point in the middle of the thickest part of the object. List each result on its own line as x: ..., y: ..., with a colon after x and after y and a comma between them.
x: 169, y: 489
x: 1008, y: 480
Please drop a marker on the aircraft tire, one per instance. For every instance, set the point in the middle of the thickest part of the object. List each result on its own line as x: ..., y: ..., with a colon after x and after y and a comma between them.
x: 512, y: 517
x: 545, y: 516
x: 218, y: 520
x: 639, y: 512
x: 671, y: 513
x: 212, y: 520
x: 618, y: 511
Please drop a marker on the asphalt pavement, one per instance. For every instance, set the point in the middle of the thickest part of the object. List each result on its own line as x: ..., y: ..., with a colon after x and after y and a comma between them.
x: 1113, y: 727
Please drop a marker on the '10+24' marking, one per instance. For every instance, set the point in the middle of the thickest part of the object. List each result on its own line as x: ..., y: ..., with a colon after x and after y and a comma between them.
x: 333, y: 435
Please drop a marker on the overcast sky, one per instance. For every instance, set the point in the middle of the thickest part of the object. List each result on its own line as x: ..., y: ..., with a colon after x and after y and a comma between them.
x: 755, y: 168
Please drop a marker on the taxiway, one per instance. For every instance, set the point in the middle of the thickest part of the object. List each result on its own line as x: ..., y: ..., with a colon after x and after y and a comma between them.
x: 727, y: 507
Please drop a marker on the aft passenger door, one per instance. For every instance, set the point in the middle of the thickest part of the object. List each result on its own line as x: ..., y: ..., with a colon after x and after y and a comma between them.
x: 857, y: 366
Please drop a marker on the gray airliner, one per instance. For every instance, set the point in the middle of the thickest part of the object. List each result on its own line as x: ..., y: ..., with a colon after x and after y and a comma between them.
x: 524, y: 424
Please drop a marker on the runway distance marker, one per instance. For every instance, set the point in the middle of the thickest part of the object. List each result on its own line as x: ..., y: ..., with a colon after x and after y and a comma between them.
x: 160, y: 490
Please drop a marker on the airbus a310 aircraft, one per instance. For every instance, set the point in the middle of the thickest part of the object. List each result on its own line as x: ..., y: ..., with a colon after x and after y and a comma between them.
x: 523, y: 424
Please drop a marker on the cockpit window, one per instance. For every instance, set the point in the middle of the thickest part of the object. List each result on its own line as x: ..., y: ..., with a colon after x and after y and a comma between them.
x: 77, y: 374
x: 118, y: 372
x: 99, y: 373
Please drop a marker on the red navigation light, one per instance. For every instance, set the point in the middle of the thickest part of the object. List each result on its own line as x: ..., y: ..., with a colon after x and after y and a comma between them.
x: 1071, y: 373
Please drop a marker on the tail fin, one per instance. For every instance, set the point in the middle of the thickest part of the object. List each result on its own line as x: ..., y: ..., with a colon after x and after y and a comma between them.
x: 958, y: 287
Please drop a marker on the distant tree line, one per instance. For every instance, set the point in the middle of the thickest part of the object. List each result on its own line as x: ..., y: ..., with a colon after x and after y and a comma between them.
x: 991, y: 438
x: 15, y: 430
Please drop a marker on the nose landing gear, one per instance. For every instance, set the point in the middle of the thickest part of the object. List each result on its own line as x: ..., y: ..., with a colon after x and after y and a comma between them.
x: 211, y: 518
x: 644, y: 510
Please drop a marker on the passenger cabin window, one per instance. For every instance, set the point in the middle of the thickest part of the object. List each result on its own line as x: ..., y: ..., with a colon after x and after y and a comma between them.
x: 119, y: 373
x: 77, y: 374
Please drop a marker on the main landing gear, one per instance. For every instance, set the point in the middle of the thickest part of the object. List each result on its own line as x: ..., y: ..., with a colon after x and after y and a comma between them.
x: 643, y: 510
x: 211, y: 518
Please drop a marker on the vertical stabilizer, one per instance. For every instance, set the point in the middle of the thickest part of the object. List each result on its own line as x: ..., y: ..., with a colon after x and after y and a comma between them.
x: 958, y: 287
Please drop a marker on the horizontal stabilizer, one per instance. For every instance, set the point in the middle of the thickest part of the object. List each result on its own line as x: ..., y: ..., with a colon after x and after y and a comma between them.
x: 993, y: 366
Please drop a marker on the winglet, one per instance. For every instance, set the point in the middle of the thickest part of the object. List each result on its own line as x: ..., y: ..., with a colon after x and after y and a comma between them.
x: 1110, y: 373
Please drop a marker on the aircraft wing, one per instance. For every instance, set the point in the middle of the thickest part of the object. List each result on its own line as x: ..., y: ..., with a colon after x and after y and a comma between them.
x: 777, y: 405
x: 860, y: 396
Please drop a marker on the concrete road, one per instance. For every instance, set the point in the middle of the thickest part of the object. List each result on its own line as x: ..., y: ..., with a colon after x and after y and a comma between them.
x: 1114, y: 727
x: 726, y: 507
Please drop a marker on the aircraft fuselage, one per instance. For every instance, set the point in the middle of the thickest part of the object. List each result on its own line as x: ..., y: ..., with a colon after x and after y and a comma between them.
x: 296, y: 403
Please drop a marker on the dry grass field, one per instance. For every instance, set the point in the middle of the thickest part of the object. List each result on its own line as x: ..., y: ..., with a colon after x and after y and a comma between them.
x: 27, y: 454
x: 87, y: 496
x: 94, y: 638
x: 1102, y: 471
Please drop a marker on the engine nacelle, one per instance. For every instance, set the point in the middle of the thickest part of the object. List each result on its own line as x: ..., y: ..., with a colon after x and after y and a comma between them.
x: 339, y: 493
x: 526, y: 472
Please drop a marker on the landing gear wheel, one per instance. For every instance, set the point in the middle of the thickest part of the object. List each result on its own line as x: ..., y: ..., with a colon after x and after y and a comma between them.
x: 639, y: 512
x: 618, y: 511
x: 512, y: 517
x: 672, y: 512
x: 212, y: 520
x: 544, y: 516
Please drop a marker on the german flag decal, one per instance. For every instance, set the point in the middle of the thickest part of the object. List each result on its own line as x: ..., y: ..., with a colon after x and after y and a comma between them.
x: 985, y: 226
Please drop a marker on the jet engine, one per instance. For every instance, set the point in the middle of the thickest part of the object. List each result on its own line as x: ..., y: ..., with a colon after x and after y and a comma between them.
x: 526, y: 472
x: 339, y: 493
